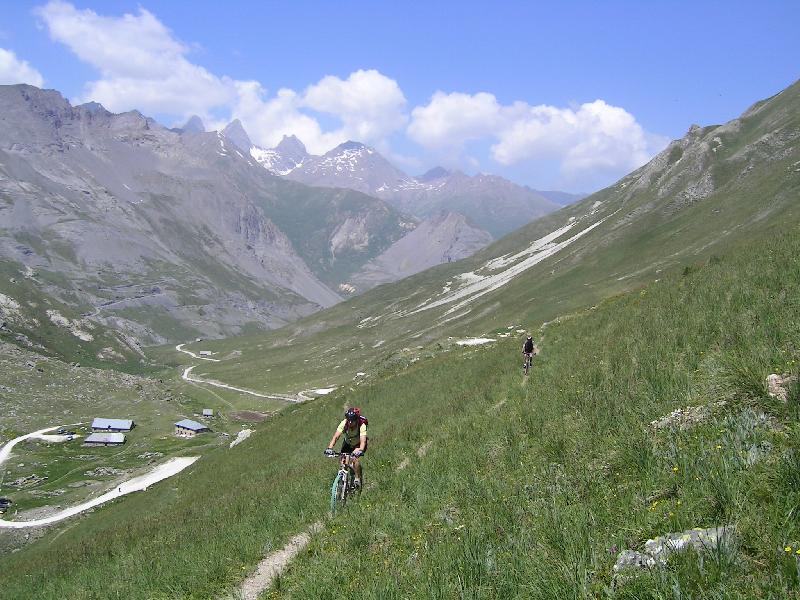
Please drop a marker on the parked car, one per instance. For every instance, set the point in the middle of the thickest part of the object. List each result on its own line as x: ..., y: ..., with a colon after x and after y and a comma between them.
x: 61, y: 431
x: 4, y: 504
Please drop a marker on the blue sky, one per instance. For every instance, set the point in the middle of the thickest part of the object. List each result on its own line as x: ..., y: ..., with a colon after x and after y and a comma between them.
x: 568, y: 95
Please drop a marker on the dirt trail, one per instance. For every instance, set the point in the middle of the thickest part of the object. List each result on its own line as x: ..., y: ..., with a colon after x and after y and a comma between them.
x: 187, y: 376
x: 421, y: 452
x: 5, y: 451
x: 274, y: 564
x: 179, y: 348
x: 142, y: 482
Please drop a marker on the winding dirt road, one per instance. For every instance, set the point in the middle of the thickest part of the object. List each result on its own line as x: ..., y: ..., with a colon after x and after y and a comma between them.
x: 142, y: 482
x: 5, y: 451
x: 168, y: 469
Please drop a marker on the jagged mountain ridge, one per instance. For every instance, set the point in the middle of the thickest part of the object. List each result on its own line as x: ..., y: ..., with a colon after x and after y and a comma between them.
x: 488, y: 201
x: 162, y: 233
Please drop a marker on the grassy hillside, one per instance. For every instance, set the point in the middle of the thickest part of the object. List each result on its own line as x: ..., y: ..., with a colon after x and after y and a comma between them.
x: 712, y: 190
x: 529, y: 488
x: 32, y: 317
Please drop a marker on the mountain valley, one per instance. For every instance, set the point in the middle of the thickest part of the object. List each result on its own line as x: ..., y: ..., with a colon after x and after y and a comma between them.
x: 663, y: 306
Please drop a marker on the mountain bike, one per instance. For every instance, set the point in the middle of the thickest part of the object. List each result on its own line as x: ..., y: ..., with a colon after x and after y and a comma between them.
x: 528, y: 362
x: 344, y: 483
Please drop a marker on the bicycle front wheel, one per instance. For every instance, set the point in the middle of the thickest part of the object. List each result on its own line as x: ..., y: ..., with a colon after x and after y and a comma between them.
x: 338, y: 493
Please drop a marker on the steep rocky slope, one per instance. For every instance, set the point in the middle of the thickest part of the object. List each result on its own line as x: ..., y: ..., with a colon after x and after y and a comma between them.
x: 167, y: 234
x: 442, y: 238
x: 488, y: 201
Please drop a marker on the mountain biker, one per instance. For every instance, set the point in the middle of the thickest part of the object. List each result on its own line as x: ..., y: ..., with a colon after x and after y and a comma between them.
x: 354, y: 430
x: 527, y: 348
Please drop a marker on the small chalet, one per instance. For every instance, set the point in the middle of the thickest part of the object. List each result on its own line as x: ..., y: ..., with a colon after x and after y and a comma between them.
x: 208, y: 412
x: 112, y: 424
x: 105, y: 439
x: 205, y: 352
x: 189, y: 428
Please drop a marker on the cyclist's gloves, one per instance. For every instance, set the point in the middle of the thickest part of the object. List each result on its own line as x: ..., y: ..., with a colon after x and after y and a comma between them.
x: 329, y: 452
x: 357, y: 452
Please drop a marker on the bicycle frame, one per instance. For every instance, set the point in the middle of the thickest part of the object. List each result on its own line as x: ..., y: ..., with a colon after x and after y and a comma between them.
x: 343, y: 483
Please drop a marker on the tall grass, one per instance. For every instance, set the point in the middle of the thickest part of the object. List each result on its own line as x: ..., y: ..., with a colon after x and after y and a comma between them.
x: 529, y: 487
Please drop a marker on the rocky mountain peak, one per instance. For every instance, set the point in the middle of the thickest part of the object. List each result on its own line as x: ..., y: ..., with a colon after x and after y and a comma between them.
x: 194, y: 125
x: 235, y: 132
x: 93, y: 108
x: 291, y: 147
x: 434, y: 174
x: 350, y: 145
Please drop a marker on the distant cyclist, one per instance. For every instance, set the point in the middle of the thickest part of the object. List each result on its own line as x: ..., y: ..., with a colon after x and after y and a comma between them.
x: 527, y: 352
x: 354, y: 430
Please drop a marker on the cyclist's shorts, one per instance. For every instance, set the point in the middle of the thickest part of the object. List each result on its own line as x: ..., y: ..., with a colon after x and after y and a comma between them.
x: 348, y: 449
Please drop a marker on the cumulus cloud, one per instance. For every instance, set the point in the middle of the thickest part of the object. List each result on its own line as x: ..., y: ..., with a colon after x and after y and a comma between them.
x: 268, y: 119
x: 14, y: 70
x: 369, y: 104
x: 451, y: 120
x: 141, y: 64
x: 594, y: 138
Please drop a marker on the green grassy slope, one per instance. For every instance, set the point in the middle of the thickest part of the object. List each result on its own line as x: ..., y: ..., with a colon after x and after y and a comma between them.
x: 25, y: 322
x: 528, y: 488
x: 704, y: 194
x: 38, y: 391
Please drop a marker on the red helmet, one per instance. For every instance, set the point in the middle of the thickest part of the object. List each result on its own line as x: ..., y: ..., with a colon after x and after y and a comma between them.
x: 352, y: 414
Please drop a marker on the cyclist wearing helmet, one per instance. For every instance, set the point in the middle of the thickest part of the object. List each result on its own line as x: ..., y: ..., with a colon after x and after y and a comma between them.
x: 354, y: 430
x: 527, y: 348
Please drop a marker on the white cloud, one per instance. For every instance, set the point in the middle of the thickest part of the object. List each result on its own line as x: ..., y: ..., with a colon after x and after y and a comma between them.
x: 451, y: 120
x: 594, y: 138
x: 14, y: 70
x: 267, y: 120
x: 142, y: 65
x: 369, y: 104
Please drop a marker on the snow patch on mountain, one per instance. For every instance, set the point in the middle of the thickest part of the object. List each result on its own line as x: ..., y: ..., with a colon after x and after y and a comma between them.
x: 502, y: 270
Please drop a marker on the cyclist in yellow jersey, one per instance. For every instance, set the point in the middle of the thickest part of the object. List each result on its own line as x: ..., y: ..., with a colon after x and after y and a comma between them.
x: 354, y: 429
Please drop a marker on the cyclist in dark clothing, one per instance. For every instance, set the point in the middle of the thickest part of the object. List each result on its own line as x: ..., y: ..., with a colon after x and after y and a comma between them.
x: 527, y: 347
x: 527, y: 352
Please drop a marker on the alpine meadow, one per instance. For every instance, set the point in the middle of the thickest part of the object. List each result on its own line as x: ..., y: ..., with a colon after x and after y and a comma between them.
x: 187, y: 311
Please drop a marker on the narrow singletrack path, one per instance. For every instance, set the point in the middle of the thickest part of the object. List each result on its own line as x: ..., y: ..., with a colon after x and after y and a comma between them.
x: 274, y: 564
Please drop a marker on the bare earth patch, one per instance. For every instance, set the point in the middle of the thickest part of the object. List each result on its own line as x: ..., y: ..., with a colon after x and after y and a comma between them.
x: 249, y: 416
x: 275, y: 563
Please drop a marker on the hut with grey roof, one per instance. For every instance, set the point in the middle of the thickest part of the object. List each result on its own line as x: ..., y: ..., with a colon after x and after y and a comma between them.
x: 189, y: 428
x: 208, y: 412
x: 105, y: 439
x: 100, y: 424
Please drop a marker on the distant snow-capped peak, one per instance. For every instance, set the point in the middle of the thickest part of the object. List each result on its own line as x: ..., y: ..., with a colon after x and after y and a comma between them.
x: 288, y: 155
